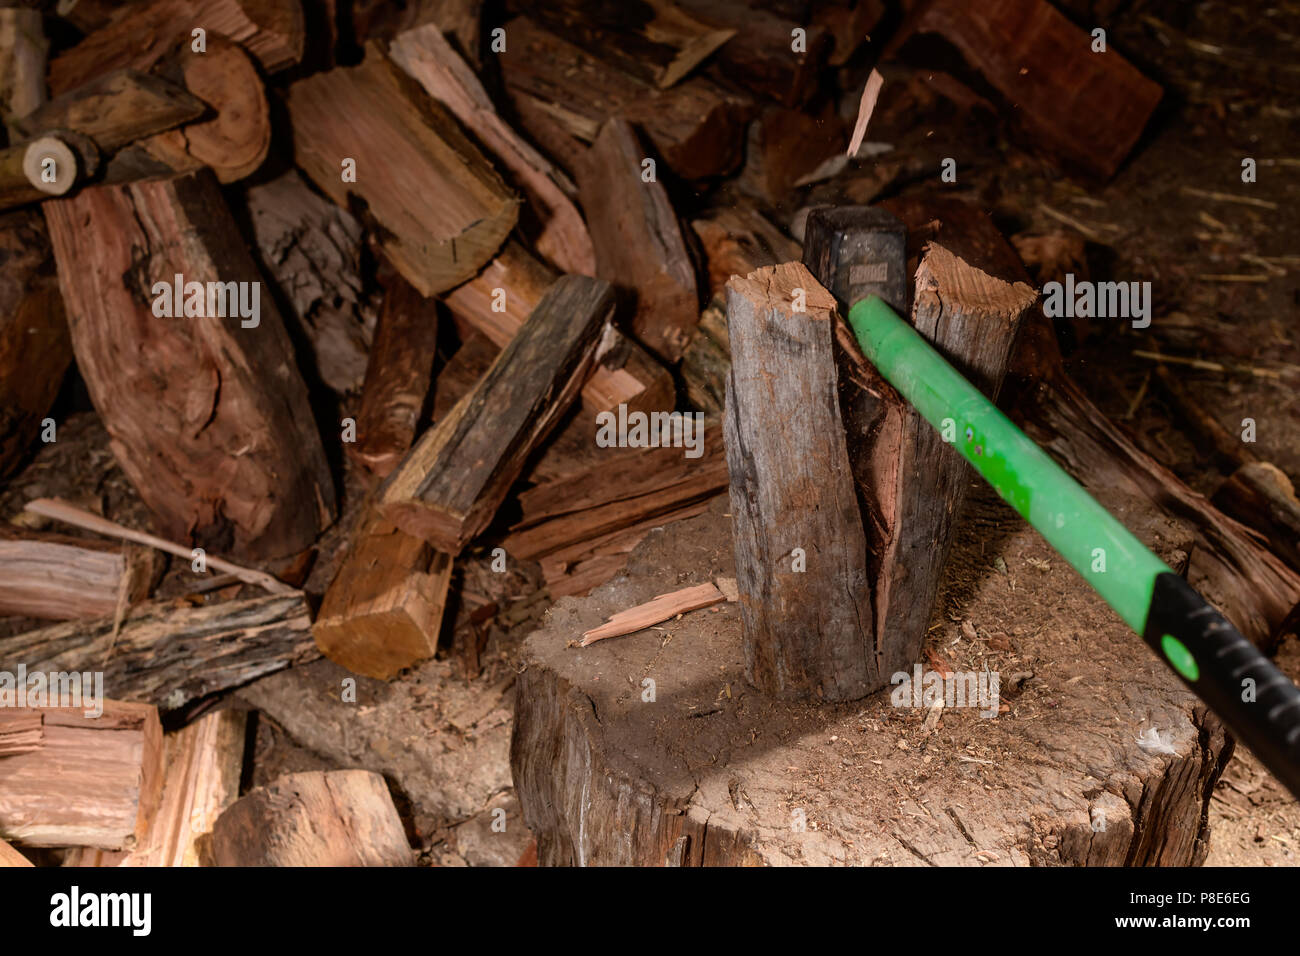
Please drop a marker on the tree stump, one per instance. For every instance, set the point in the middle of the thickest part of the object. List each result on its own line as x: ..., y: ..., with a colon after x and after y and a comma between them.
x: 651, y: 749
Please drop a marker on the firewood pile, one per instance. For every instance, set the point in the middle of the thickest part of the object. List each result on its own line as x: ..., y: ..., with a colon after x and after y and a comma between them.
x: 376, y: 302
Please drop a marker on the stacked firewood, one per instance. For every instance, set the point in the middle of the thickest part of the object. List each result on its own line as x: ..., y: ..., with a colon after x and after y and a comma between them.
x: 365, y: 292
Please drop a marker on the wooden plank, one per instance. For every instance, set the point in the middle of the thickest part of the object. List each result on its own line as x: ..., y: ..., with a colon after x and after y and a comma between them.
x: 338, y: 818
x: 94, y: 781
x: 168, y: 654
x: 444, y: 211
x: 639, y: 242
x: 207, y: 415
x: 449, y: 486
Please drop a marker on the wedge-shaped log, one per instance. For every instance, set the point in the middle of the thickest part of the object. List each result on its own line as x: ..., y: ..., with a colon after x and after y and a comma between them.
x: 451, y: 483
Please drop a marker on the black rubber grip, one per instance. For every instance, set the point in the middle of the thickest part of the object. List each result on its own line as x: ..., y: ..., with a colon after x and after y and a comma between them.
x: 1257, y: 701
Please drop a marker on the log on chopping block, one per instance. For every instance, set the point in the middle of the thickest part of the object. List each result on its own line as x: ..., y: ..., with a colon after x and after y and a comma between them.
x: 969, y: 301
x: 639, y: 241
x: 141, y: 34
x: 23, y: 49
x: 34, y: 348
x: 551, y: 218
x: 312, y: 248
x: 1085, y: 108
x: 761, y: 56
x: 383, y: 610
x: 449, y: 485
x: 206, y: 413
x: 657, y: 41
x: 94, y: 781
x: 335, y: 818
x: 117, y: 109
x: 1251, y: 586
x: 169, y: 655
x: 499, y: 299
x: 398, y: 377
x: 443, y: 210
x: 563, y: 95
x: 202, y: 765
x: 801, y: 547
x: 60, y: 577
x: 235, y: 139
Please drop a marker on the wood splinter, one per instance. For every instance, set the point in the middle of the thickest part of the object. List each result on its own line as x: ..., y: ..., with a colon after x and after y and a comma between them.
x: 662, y: 608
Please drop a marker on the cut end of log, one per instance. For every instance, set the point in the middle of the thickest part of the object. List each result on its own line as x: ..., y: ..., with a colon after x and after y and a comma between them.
x: 51, y: 165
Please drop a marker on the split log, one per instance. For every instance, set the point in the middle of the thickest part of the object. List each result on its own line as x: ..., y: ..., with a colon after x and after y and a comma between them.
x: 801, y: 548
x: 563, y: 95
x: 560, y: 235
x: 711, y: 772
x: 383, y: 610
x: 1259, y: 494
x: 499, y: 299
x: 1249, y: 584
x: 462, y: 373
x: 141, y: 34
x: 34, y: 348
x: 449, y: 486
x: 207, y: 417
x: 11, y: 857
x: 95, y: 780
x: 61, y: 577
x: 21, y: 731
x: 22, y: 63
x: 654, y: 40
x: 443, y: 210
x: 398, y: 377
x: 639, y: 240
x: 581, y: 526
x: 235, y: 140
x: 312, y: 249
x: 459, y: 19
x: 969, y: 300
x: 1085, y: 108
x: 169, y: 655
x: 339, y: 818
x: 761, y: 56
x: 202, y: 765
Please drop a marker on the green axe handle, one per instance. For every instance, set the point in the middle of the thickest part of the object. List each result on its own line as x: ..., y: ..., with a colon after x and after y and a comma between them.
x: 1256, y: 700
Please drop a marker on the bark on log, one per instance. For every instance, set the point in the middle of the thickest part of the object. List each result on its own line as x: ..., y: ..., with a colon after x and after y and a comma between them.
x: 557, y: 229
x: 712, y: 773
x: 398, y: 377
x: 117, y: 109
x: 312, y: 249
x: 339, y: 818
x: 1085, y: 108
x: 969, y: 301
x: 1260, y: 495
x: 94, y: 781
x: 207, y: 417
x: 35, y: 351
x: 383, y: 610
x: 499, y: 299
x: 443, y: 210
x: 449, y: 486
x: 563, y: 95
x: 168, y: 656
x: 639, y: 241
x: 801, y: 548
x: 60, y: 577
x: 141, y: 34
